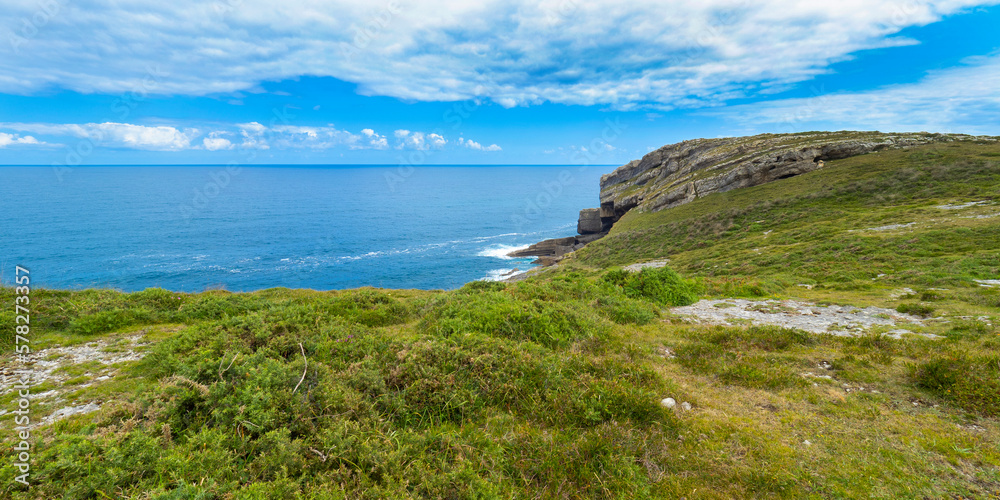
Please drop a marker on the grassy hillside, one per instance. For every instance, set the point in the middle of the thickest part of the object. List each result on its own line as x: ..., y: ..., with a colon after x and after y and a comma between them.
x: 551, y: 388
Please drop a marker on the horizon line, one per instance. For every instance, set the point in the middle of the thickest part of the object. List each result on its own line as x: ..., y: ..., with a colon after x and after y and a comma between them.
x: 316, y: 165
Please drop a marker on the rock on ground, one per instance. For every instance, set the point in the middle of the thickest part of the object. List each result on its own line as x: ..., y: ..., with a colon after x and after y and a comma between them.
x: 836, y: 320
x: 102, y: 358
x: 656, y: 264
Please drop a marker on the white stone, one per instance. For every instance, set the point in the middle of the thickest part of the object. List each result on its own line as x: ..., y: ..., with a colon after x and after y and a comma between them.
x: 668, y: 402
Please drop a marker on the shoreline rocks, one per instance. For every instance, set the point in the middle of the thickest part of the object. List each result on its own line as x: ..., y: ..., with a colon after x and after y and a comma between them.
x: 551, y: 251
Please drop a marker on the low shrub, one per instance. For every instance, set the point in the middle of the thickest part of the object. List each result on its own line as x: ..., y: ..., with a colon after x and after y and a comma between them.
x: 157, y: 299
x: 623, y: 310
x: 662, y: 286
x: 502, y: 315
x: 971, y: 382
x: 915, y: 309
x: 369, y: 307
x: 743, y: 356
x: 968, y: 329
x: 110, y: 320
x: 762, y: 337
x: 738, y: 286
x: 218, y: 305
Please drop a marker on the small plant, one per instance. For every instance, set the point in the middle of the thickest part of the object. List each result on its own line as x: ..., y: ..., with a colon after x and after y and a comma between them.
x: 915, y: 310
x: 623, y: 310
x: 662, y: 286
x: 502, y: 315
x: 107, y: 321
x: 972, y: 383
x: 369, y: 307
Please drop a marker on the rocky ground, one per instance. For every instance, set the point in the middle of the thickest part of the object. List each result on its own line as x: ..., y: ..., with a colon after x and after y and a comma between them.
x: 833, y: 319
x: 58, y: 372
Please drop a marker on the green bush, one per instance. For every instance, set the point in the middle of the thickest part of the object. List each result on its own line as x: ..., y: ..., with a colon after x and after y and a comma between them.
x: 662, y: 286
x: 369, y: 307
x: 483, y: 286
x: 7, y: 326
x: 759, y: 372
x: 968, y: 329
x: 502, y: 315
x: 217, y: 305
x: 623, y: 310
x: 915, y: 309
x: 741, y: 356
x: 111, y: 320
x: 738, y: 286
x: 987, y: 297
x: 157, y: 299
x: 762, y: 337
x: 971, y: 382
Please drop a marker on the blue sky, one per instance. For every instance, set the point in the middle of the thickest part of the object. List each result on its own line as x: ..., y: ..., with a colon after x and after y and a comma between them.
x: 93, y: 82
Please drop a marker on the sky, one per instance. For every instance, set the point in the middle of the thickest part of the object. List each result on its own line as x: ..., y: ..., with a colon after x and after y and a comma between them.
x: 602, y: 82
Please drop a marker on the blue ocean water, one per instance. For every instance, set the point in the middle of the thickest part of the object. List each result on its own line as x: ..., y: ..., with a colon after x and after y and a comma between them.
x: 189, y: 228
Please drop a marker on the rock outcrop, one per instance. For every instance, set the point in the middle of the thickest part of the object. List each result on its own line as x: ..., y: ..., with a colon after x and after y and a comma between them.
x: 550, y: 251
x: 590, y: 221
x: 679, y: 173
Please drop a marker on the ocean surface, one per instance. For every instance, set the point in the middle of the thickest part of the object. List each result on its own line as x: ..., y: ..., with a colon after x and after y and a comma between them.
x: 191, y: 228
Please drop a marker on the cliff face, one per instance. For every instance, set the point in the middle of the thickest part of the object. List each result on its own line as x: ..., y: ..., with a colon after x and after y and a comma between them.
x: 679, y: 173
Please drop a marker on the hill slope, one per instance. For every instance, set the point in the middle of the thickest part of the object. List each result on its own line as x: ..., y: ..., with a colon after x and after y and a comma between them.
x: 679, y: 173
x: 554, y: 387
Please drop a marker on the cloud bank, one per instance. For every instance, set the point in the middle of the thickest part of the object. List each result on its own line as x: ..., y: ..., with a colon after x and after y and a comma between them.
x: 962, y: 99
x: 646, y: 53
x: 252, y: 135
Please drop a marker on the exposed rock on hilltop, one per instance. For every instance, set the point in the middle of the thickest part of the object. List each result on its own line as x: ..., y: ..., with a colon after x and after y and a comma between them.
x: 679, y: 173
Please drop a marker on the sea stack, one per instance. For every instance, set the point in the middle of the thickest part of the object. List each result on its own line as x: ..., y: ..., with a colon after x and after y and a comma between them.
x: 590, y: 221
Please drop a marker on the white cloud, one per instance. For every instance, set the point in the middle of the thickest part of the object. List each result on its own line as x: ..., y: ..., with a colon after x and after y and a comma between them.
x: 252, y: 135
x: 15, y: 139
x: 656, y: 53
x: 962, y: 99
x: 376, y: 141
x: 215, y: 143
x: 113, y: 134
x: 18, y: 140
x: 471, y: 144
x: 418, y: 140
x: 259, y: 136
x: 436, y: 141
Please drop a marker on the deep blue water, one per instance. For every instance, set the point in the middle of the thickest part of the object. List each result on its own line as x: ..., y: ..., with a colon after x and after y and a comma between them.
x: 189, y: 228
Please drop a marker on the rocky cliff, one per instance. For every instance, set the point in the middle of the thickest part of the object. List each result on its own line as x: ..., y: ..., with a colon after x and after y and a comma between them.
x: 679, y: 173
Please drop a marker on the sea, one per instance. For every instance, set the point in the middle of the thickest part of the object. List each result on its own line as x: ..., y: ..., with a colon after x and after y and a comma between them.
x: 243, y: 228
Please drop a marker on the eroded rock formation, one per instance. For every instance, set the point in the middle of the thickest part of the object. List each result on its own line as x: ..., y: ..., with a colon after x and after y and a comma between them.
x: 679, y: 173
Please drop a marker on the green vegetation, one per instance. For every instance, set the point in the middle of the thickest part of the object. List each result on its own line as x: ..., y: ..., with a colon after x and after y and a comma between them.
x: 662, y: 286
x: 551, y: 387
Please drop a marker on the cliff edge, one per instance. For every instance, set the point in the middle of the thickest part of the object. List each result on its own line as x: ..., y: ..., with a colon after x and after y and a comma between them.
x: 680, y: 173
